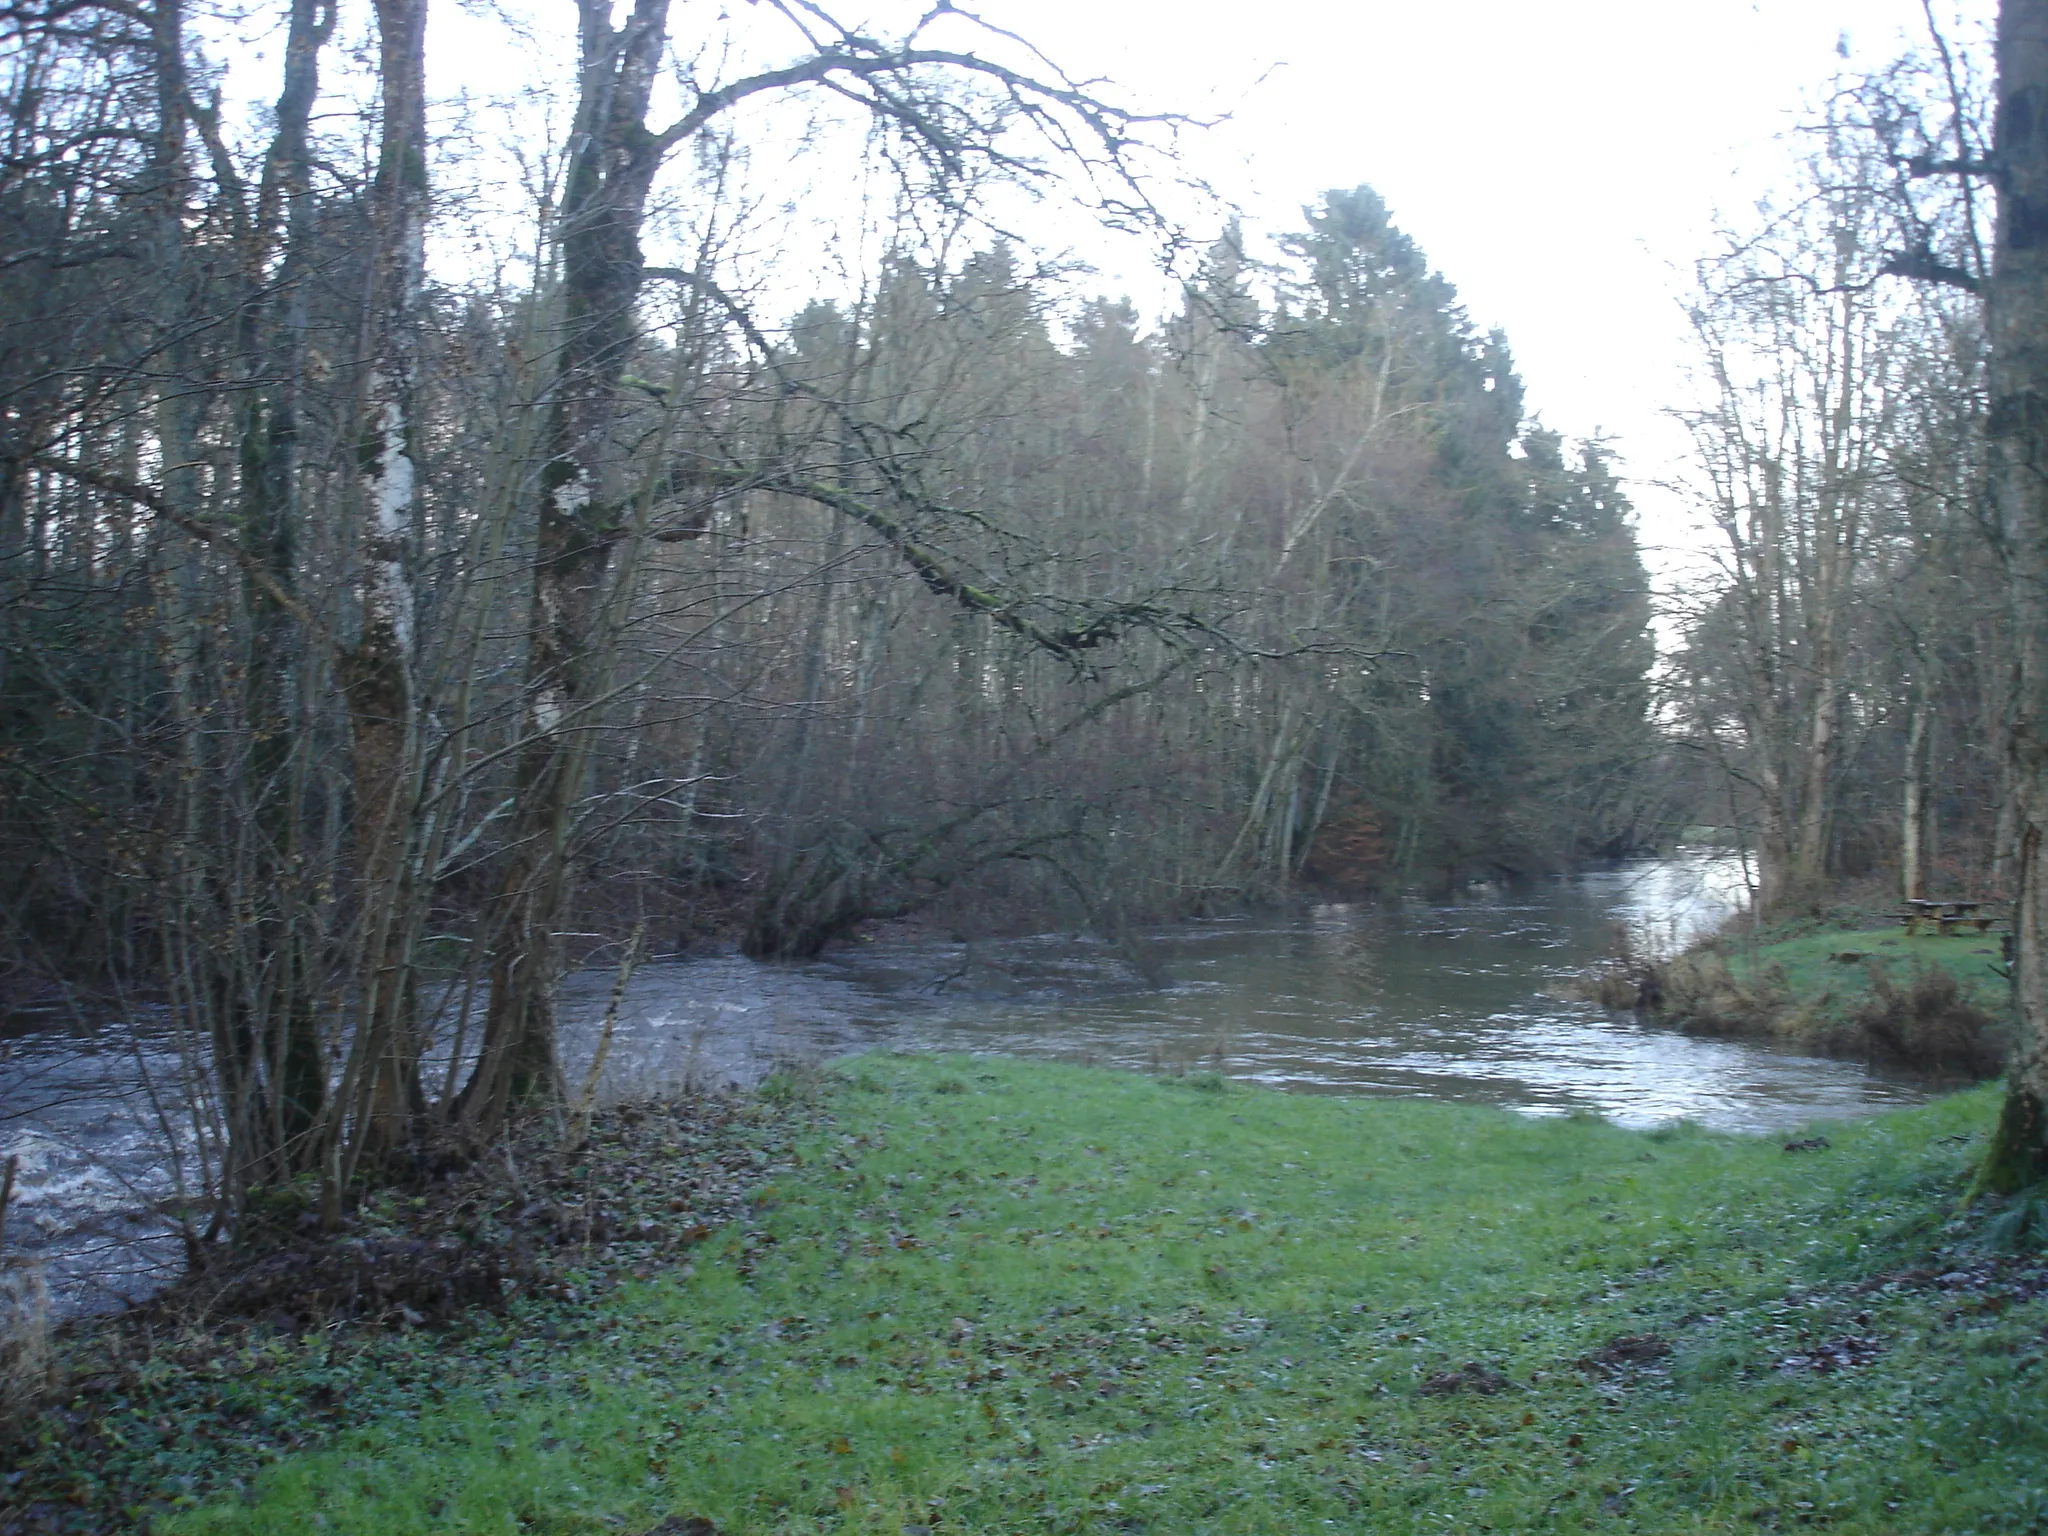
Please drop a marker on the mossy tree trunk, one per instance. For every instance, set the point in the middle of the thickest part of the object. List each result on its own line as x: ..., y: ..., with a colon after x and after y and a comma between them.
x: 2018, y: 428
x: 377, y: 671
x: 581, y: 518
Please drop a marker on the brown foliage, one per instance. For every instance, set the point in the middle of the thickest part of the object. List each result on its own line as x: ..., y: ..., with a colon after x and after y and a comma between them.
x: 1931, y: 1022
x: 1350, y: 849
x: 1703, y: 996
x: 397, y: 1279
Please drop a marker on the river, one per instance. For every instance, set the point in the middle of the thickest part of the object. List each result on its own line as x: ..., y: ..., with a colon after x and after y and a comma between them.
x: 1465, y: 1000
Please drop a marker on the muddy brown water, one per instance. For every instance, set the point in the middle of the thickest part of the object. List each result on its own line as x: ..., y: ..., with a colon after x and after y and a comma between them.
x: 1465, y: 1000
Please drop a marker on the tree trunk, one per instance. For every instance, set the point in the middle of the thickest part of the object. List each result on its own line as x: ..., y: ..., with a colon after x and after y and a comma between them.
x: 273, y: 323
x: 2018, y: 429
x: 580, y: 519
x: 1912, y: 821
x: 1810, y: 859
x: 377, y: 670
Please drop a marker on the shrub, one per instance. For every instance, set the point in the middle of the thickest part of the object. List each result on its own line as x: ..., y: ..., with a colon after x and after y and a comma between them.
x: 1628, y: 978
x: 1701, y: 994
x: 1932, y: 1021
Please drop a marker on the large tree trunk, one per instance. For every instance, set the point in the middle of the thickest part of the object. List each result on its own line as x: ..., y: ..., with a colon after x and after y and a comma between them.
x: 581, y: 517
x: 2018, y: 426
x: 377, y: 671
x: 1810, y: 860
x: 273, y: 322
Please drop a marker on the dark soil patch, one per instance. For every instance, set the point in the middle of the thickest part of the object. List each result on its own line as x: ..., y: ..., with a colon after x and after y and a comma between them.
x: 1625, y: 1350
x: 1624, y: 1356
x: 1472, y: 1376
x: 1840, y: 1354
x: 2001, y: 1279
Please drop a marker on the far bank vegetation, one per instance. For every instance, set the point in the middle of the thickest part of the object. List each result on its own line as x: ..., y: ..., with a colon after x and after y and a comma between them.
x: 1845, y: 673
x: 1915, y: 1012
x: 1841, y: 693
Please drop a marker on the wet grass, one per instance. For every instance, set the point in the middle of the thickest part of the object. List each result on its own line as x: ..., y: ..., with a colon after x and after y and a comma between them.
x: 1011, y: 1297
x: 1932, y: 1003
x: 1813, y: 963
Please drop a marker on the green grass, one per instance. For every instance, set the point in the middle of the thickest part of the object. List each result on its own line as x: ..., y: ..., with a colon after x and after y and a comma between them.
x: 1811, y: 968
x: 1010, y: 1297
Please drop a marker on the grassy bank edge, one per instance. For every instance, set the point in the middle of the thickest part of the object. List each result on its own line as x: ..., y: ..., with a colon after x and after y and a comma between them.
x: 1854, y: 987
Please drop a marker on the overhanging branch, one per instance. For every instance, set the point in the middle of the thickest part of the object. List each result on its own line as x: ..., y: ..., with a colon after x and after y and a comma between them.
x: 1925, y: 267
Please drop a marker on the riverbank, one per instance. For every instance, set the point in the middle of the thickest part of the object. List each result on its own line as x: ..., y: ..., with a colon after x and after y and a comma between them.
x: 1933, y: 1003
x: 979, y: 1295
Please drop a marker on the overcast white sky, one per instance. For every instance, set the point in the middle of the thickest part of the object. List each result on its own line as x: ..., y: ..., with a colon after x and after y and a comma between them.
x: 1562, y: 162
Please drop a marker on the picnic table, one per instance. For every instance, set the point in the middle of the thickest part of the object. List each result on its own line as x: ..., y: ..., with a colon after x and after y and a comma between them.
x: 1947, y: 917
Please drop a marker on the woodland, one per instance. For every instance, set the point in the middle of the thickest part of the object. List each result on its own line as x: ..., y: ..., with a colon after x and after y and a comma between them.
x: 382, y: 632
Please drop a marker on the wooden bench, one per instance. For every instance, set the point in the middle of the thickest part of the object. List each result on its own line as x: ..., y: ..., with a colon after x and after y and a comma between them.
x: 1946, y: 917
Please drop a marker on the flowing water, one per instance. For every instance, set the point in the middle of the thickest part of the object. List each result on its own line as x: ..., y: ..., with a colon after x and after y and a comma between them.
x: 1467, y: 1000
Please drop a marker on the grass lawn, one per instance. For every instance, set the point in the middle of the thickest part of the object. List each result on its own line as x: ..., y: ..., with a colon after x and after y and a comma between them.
x: 1812, y: 963
x: 1932, y: 1003
x: 999, y: 1296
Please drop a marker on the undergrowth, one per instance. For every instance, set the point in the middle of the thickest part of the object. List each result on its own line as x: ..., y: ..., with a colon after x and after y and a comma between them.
x: 432, y: 1287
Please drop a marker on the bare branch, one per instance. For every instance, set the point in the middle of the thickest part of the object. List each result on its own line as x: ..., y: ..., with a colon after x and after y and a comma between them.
x: 1926, y: 267
x: 154, y: 501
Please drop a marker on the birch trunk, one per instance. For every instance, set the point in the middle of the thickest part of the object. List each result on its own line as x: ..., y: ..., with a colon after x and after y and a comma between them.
x: 1912, y: 821
x: 377, y: 671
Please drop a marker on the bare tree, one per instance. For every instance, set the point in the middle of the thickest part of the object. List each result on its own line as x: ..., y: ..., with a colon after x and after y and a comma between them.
x: 951, y: 111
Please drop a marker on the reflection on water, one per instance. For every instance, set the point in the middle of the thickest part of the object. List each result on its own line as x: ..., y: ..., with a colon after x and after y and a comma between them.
x: 1466, y: 1000
x: 1463, y: 1000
